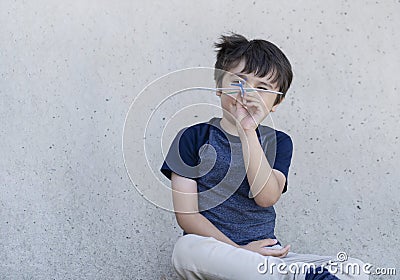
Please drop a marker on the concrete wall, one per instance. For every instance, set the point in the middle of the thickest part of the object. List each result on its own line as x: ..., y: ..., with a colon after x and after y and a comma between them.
x: 69, y: 71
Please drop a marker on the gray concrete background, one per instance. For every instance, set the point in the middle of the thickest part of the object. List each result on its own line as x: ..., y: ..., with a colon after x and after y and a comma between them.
x: 70, y: 70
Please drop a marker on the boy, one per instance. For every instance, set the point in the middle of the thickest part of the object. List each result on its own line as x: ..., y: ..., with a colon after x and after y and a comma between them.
x: 227, y: 174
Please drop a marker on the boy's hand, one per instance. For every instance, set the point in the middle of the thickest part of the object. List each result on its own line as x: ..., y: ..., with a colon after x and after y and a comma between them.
x: 258, y: 246
x: 251, y: 111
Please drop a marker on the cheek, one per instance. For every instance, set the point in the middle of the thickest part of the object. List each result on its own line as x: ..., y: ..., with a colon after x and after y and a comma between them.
x: 227, y: 100
x: 268, y: 102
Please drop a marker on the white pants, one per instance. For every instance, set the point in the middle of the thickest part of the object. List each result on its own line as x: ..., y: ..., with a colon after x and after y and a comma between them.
x: 199, y: 257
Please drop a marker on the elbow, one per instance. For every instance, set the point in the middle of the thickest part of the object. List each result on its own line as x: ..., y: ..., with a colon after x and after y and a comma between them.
x: 180, y: 219
x: 269, y: 196
x: 265, y: 202
x: 184, y: 220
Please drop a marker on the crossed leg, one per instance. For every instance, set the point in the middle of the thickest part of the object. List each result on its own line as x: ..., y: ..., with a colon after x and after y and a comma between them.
x: 199, y: 257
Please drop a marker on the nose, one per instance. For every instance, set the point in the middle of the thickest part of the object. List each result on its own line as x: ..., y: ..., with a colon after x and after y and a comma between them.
x: 240, y: 86
x: 239, y: 96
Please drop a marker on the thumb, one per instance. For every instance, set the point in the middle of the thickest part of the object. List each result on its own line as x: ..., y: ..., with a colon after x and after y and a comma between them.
x: 269, y: 241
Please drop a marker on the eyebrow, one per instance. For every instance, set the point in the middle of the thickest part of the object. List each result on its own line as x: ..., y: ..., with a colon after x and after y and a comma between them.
x: 245, y: 78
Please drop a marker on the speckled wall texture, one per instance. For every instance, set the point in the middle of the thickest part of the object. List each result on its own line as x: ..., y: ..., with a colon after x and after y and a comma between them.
x: 69, y: 71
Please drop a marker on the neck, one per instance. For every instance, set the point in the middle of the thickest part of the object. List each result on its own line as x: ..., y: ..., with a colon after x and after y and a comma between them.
x: 228, y: 127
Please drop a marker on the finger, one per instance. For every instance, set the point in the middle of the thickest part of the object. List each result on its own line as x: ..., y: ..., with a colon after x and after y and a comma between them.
x: 247, y: 106
x: 253, y: 94
x: 251, y: 102
x: 241, y: 102
x: 271, y: 252
x: 251, y: 98
x: 285, y: 251
x: 268, y: 242
x: 246, y: 100
x: 241, y: 107
x: 255, y: 100
x: 280, y: 253
x: 284, y: 255
x: 256, y: 105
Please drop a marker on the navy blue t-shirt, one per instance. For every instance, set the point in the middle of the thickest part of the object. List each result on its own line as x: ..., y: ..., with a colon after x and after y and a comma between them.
x: 204, y: 152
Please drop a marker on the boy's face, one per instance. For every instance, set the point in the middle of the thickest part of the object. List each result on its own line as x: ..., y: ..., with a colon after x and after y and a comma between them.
x: 228, y: 101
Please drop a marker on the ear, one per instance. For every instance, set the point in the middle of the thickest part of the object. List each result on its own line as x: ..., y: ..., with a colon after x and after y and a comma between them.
x: 273, y: 109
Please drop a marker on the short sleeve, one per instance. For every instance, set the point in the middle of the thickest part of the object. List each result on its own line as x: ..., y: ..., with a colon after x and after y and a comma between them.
x: 284, y: 151
x: 182, y: 156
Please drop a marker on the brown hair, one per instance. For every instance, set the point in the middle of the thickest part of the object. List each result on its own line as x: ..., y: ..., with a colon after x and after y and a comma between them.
x: 261, y: 58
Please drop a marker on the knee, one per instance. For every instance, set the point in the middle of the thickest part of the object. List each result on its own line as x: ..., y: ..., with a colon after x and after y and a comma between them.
x: 356, y: 268
x: 185, y: 256
x: 179, y: 251
x: 183, y: 249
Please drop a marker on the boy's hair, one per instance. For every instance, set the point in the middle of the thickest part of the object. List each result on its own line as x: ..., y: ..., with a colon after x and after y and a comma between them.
x: 261, y: 58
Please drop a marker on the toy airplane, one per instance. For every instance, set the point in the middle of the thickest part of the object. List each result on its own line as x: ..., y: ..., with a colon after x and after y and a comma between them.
x: 243, y: 90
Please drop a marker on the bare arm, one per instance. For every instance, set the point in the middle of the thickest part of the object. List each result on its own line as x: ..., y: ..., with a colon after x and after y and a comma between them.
x: 186, y: 211
x: 185, y: 200
x: 266, y: 184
